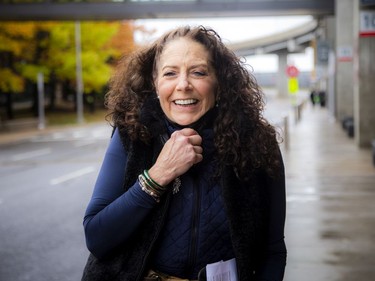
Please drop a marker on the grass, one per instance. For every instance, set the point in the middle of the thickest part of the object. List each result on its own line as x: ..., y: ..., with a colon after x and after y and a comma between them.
x: 56, y: 118
x: 61, y: 117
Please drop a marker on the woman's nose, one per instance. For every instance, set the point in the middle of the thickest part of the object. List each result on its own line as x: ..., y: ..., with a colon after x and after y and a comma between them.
x: 183, y: 83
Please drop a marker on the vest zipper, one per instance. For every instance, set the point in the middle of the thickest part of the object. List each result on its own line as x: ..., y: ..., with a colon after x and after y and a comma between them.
x: 155, y: 237
x: 195, y: 227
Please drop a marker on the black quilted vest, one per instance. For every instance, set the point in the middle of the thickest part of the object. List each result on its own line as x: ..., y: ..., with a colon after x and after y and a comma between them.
x: 243, y: 202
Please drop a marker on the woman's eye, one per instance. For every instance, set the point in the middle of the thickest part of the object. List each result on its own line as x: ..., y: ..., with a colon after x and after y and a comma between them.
x: 169, y: 73
x: 200, y: 73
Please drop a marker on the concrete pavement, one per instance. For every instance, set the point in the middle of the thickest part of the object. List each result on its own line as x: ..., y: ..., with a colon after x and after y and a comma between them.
x: 330, y: 227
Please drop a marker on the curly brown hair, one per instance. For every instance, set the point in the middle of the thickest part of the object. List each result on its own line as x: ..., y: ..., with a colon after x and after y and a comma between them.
x: 242, y: 137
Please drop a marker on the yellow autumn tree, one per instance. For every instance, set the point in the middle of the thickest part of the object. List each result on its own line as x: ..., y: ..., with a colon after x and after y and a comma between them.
x: 122, y: 42
x: 27, y: 48
x: 15, y: 48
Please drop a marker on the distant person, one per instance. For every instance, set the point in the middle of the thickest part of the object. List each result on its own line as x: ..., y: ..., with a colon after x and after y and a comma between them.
x: 193, y: 174
x: 313, y: 97
x: 322, y: 98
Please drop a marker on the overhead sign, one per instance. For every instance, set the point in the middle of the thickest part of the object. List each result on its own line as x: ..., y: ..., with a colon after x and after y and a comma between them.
x: 367, y: 23
x: 292, y: 71
x: 322, y: 52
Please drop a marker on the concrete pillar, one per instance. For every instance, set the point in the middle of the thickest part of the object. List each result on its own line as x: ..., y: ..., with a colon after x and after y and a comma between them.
x: 325, y: 61
x: 330, y: 37
x: 282, y: 78
x: 365, y: 96
x: 355, y: 74
x: 346, y: 47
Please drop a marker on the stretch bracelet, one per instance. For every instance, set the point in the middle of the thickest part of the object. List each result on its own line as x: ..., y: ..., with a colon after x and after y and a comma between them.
x: 153, y: 183
x: 148, y: 189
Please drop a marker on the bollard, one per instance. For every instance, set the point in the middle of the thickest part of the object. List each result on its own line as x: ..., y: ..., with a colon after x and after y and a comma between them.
x: 296, y: 114
x: 350, y: 128
x: 346, y: 121
x: 286, y: 131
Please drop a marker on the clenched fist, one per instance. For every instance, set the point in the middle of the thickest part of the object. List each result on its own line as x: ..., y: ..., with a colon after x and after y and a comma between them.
x: 178, y: 155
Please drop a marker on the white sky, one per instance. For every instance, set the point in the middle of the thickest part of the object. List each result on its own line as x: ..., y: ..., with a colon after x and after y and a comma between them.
x: 235, y: 30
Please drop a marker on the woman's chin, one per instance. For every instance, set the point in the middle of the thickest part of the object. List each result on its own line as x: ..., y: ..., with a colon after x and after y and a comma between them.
x: 185, y: 122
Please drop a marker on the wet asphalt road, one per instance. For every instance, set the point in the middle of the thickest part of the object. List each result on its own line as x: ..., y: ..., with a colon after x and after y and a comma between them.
x: 46, y: 182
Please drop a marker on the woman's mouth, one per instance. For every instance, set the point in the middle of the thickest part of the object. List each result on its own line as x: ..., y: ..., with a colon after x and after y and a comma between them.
x: 186, y: 102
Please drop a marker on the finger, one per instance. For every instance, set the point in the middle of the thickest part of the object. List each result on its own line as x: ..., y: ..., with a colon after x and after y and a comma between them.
x: 188, y: 132
x: 198, y: 158
x: 184, y: 133
x: 195, y: 140
x: 198, y: 149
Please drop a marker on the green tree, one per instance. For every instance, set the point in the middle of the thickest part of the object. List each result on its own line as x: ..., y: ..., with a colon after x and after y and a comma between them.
x: 27, y: 48
x: 15, y: 48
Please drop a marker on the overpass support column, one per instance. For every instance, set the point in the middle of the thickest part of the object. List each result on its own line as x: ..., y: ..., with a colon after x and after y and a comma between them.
x: 346, y: 48
x: 355, y: 71
x: 364, y: 99
x: 282, y: 78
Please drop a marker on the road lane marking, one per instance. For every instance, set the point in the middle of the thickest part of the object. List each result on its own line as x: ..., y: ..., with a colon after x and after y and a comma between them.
x: 72, y: 175
x: 31, y: 154
x: 84, y: 143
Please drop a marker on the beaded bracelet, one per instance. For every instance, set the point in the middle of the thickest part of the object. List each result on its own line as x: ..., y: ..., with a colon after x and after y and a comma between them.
x: 148, y: 189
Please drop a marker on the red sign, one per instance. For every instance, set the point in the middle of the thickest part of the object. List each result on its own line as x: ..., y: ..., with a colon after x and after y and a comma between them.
x: 292, y: 71
x: 367, y: 23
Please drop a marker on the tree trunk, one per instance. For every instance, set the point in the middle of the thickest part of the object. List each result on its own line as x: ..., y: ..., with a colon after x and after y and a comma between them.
x: 8, y: 106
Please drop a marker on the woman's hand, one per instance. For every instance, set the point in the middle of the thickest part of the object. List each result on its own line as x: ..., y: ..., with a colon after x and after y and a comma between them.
x: 178, y: 155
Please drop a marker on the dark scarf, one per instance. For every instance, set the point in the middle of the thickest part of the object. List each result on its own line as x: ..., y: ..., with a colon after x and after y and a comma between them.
x: 244, y: 209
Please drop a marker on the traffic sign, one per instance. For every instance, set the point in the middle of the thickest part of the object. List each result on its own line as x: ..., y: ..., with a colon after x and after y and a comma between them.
x: 293, y: 87
x: 292, y: 71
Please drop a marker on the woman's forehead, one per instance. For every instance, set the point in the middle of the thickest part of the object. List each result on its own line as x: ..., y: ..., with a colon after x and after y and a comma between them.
x: 184, y: 47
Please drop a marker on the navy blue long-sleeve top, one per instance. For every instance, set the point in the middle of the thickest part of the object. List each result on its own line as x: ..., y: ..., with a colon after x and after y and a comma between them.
x: 113, y: 215
x: 109, y: 204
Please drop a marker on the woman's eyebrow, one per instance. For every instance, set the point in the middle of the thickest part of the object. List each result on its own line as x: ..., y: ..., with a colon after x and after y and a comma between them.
x: 203, y: 64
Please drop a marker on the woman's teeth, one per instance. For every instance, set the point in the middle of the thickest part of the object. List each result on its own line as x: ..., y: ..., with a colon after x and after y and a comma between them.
x: 186, y: 102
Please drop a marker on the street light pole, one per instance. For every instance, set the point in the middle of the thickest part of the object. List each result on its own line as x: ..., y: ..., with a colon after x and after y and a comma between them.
x: 41, y: 115
x: 79, y: 97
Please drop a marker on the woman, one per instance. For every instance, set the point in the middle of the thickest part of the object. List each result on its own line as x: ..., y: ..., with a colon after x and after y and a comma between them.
x: 193, y: 174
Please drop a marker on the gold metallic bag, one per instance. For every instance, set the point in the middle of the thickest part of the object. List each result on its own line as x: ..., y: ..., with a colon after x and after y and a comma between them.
x: 158, y: 276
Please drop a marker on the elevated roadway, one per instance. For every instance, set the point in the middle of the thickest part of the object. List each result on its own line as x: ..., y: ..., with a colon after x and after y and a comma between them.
x: 76, y: 10
x: 292, y: 40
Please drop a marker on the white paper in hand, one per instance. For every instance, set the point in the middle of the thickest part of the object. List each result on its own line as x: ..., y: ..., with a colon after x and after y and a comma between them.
x: 222, y: 271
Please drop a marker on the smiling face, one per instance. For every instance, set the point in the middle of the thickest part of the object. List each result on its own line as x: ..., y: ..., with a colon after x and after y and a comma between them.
x: 185, y: 81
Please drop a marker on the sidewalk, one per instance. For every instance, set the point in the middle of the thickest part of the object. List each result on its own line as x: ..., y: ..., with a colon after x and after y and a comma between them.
x: 330, y: 227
